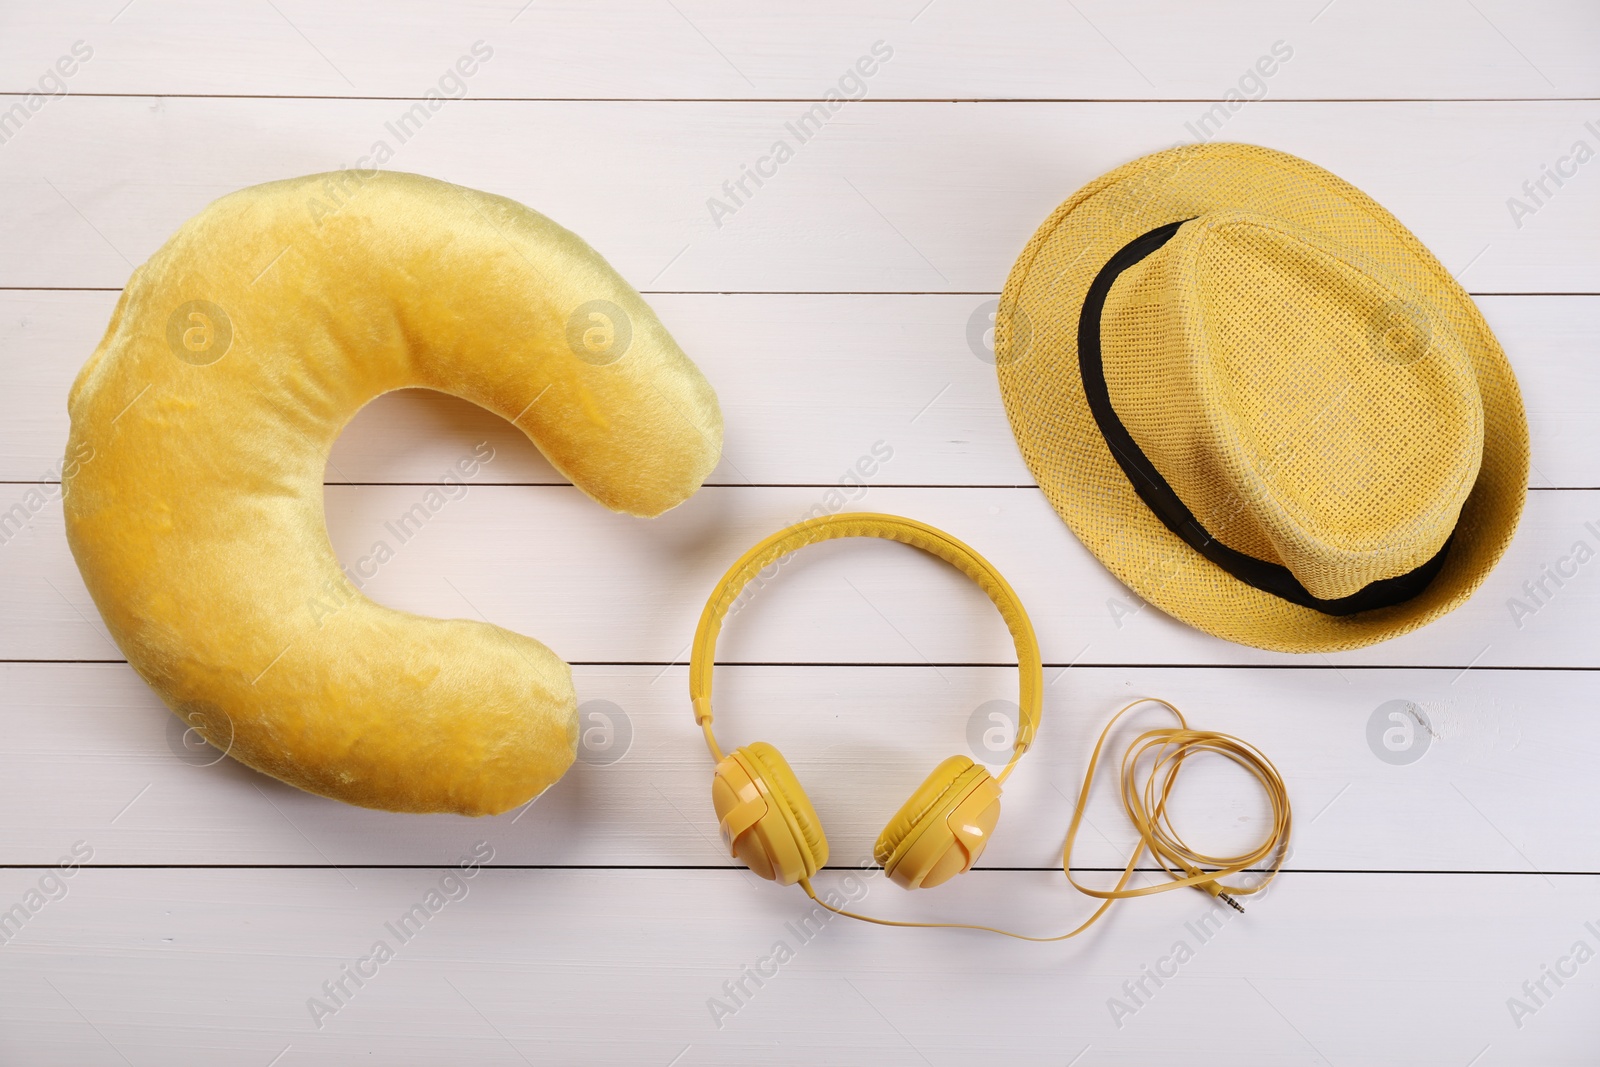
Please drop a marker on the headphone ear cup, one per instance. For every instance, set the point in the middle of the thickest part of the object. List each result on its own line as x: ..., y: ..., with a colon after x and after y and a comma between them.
x: 766, y: 819
x: 942, y: 830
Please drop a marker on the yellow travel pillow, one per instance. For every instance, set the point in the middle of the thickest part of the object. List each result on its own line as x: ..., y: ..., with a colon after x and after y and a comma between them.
x: 200, y: 431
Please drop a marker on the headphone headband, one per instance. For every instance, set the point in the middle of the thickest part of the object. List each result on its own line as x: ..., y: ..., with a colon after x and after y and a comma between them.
x: 892, y: 528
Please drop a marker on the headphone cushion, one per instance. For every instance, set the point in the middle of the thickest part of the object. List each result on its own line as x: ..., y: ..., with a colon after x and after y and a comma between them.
x: 934, y: 791
x: 780, y: 777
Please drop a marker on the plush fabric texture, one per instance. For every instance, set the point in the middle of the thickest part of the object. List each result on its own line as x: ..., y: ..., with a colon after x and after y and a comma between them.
x: 1311, y: 382
x: 235, y: 357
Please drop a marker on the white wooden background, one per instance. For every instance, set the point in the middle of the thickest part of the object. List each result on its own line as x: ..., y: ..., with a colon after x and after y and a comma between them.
x: 831, y: 312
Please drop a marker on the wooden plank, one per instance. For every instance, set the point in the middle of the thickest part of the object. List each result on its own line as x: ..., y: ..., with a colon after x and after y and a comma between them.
x: 854, y: 370
x: 217, y: 968
x: 600, y: 587
x: 1093, y: 49
x: 915, y: 197
x: 1511, y: 748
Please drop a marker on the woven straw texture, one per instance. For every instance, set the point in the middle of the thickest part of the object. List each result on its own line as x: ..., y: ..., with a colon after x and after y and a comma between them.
x: 1306, y: 375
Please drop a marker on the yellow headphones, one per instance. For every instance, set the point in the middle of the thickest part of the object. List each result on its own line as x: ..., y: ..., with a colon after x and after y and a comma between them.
x: 767, y: 821
x: 769, y: 825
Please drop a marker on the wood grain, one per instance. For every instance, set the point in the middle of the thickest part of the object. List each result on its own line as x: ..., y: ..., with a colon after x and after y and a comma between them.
x: 600, y: 587
x: 860, y: 738
x: 841, y: 372
x: 1025, y: 49
x: 900, y: 197
x: 622, y: 966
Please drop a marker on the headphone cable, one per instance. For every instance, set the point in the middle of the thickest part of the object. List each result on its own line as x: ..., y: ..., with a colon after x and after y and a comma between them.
x: 1145, y: 803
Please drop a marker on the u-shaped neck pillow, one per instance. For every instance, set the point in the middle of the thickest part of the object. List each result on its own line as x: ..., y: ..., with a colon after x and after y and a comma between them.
x: 200, y: 431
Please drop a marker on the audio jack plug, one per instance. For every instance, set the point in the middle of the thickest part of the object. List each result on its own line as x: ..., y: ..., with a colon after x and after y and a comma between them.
x: 1221, y: 894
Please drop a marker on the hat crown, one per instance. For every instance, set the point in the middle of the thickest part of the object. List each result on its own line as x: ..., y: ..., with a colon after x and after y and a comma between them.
x: 1307, y: 407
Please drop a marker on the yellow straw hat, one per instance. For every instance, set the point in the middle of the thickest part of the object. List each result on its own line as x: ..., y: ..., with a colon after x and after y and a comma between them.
x: 1260, y: 401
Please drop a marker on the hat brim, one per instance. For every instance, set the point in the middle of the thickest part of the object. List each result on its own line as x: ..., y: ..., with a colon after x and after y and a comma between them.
x: 1036, y: 355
